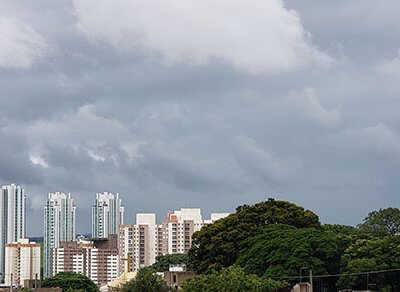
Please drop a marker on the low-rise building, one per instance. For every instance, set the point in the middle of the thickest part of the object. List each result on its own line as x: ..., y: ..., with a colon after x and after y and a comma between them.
x: 176, y: 275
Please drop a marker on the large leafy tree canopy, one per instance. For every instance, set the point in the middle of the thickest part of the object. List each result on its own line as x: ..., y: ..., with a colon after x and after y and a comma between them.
x: 218, y: 245
x: 281, y: 250
x: 71, y: 282
x: 345, y: 230
x: 383, y: 222
x: 146, y: 281
x: 367, y: 255
x: 232, y: 279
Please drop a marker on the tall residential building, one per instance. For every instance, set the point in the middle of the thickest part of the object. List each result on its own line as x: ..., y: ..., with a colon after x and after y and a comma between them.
x: 107, y: 215
x: 22, y: 262
x: 145, y: 245
x: 95, y: 258
x: 141, y: 243
x: 59, y: 225
x: 179, y: 228
x: 12, y: 219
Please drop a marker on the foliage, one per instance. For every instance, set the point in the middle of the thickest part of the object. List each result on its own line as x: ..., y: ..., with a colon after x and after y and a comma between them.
x: 163, y: 261
x: 382, y: 223
x: 281, y: 250
x: 372, y: 255
x: 146, y: 281
x: 344, y: 230
x: 71, y: 282
x: 232, y: 279
x: 217, y: 245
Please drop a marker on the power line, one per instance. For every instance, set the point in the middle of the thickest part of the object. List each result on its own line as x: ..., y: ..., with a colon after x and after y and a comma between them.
x: 339, y: 275
x: 358, y: 273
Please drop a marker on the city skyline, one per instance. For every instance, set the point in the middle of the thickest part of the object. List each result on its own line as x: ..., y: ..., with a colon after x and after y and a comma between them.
x: 83, y: 230
x: 113, y: 248
x: 237, y: 143
x: 160, y: 213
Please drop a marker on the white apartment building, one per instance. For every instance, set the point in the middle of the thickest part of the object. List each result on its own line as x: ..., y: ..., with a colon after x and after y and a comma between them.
x: 107, y: 215
x: 141, y: 243
x: 59, y: 225
x: 96, y: 258
x: 179, y: 228
x: 12, y: 219
x: 22, y: 262
x: 145, y: 245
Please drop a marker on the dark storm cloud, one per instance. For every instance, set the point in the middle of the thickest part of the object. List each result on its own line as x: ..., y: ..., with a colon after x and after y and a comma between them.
x: 364, y: 31
x: 83, y: 110
x: 13, y: 157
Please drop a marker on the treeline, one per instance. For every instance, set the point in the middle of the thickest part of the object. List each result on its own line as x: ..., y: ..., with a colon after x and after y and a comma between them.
x: 278, y: 239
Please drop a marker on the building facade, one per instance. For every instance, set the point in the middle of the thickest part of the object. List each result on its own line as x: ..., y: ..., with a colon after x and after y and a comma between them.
x: 59, y: 225
x: 107, y: 215
x: 140, y: 243
x: 22, y: 262
x: 12, y: 219
x: 95, y: 258
x: 179, y: 228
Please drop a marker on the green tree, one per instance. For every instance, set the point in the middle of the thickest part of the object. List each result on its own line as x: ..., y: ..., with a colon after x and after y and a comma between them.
x: 217, y: 245
x: 368, y: 255
x: 146, y: 280
x: 232, y: 279
x: 344, y: 230
x: 71, y: 282
x: 163, y: 261
x: 281, y: 250
x: 383, y: 222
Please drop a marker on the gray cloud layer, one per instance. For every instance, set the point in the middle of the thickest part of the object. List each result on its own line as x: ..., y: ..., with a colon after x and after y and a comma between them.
x: 199, y: 105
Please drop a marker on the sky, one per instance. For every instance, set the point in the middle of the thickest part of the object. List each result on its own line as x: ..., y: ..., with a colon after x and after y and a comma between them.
x: 202, y: 103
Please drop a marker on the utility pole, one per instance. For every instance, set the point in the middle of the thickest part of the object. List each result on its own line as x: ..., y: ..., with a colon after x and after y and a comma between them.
x: 311, y: 281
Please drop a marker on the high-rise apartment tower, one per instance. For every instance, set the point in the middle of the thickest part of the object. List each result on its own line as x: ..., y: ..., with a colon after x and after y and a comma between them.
x: 12, y: 219
x: 107, y: 215
x: 59, y: 225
